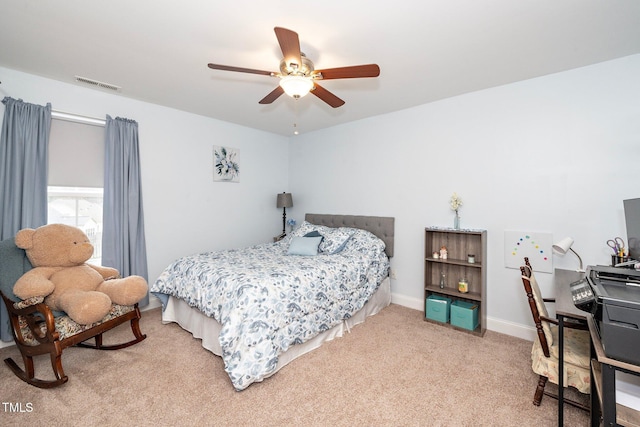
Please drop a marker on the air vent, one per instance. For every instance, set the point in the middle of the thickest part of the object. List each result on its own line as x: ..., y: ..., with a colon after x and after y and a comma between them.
x: 96, y: 83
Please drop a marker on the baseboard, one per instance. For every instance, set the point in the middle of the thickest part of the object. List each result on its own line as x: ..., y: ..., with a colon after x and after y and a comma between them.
x: 493, y: 324
x: 509, y: 328
x: 154, y: 302
x: 409, y: 302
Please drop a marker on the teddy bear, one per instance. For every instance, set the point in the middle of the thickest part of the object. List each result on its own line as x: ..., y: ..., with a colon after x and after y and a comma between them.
x: 58, y: 253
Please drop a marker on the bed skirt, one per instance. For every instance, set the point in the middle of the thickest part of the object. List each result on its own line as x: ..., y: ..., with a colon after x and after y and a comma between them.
x: 207, y: 328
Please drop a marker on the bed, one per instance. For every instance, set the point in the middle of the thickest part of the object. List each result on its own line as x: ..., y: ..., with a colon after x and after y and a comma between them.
x: 261, y: 307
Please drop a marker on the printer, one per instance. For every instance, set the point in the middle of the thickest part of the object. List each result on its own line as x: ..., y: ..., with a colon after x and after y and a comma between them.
x: 616, y: 310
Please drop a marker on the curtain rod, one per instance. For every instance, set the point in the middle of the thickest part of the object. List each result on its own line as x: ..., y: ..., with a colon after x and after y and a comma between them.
x: 71, y: 117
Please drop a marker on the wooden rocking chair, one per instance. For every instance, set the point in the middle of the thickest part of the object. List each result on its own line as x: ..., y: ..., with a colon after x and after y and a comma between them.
x: 37, y: 330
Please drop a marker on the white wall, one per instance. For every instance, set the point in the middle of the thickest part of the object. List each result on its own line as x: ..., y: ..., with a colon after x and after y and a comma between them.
x: 556, y: 154
x: 185, y: 211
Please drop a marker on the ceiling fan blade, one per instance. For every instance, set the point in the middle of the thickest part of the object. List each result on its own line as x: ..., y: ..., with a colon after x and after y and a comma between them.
x: 239, y: 69
x: 327, y: 96
x: 290, y: 45
x: 356, y: 71
x: 272, y: 96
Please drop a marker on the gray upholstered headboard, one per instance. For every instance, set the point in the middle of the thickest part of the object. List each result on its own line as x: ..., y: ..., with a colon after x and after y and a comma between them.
x: 381, y: 226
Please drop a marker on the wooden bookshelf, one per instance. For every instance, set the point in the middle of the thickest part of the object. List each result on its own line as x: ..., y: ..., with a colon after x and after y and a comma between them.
x: 460, y: 244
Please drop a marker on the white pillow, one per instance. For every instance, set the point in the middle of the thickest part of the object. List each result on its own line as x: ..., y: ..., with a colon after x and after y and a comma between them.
x: 303, y: 229
x: 335, y: 239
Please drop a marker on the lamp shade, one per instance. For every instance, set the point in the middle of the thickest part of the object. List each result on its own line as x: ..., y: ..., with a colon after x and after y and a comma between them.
x: 284, y: 200
x: 296, y: 86
x: 563, y: 245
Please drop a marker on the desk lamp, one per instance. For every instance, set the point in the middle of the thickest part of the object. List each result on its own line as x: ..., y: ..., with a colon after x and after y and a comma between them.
x: 284, y: 201
x: 563, y: 246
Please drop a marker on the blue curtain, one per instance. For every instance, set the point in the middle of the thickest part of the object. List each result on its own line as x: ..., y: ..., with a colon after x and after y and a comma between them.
x: 123, y: 242
x: 24, y: 147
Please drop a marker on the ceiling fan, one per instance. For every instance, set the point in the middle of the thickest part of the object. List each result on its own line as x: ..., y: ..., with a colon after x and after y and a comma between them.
x: 298, y: 75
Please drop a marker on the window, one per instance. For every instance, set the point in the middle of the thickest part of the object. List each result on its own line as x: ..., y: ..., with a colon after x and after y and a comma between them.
x: 76, y: 179
x: 79, y: 207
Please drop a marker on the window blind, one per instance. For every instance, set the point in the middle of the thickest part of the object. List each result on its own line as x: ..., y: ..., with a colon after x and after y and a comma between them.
x: 76, y: 154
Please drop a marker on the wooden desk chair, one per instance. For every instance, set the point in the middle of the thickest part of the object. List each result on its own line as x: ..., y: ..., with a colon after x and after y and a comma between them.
x: 37, y: 330
x: 544, y: 354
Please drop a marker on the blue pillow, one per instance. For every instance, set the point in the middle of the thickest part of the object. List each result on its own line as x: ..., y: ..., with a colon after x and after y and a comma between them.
x: 314, y: 233
x: 304, y: 246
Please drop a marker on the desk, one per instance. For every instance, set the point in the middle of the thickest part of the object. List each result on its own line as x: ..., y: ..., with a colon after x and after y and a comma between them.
x: 565, y: 309
x: 603, y: 385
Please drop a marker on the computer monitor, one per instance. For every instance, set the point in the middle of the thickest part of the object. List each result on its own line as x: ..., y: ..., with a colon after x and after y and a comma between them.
x: 632, y: 218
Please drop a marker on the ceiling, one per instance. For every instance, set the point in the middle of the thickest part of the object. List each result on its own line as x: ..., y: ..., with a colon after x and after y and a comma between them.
x: 427, y: 50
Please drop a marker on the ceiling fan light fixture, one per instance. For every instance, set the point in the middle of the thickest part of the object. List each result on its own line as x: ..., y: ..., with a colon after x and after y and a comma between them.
x: 296, y: 86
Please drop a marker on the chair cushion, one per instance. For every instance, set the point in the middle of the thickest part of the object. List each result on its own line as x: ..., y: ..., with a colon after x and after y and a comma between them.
x: 576, y: 359
x: 67, y: 327
x: 13, y: 264
x: 28, y: 302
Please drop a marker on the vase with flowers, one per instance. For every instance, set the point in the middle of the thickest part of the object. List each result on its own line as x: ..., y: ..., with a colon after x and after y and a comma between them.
x: 291, y: 223
x: 455, y: 204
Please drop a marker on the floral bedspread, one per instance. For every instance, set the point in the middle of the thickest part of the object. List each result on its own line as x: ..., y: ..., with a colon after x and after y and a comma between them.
x: 267, y: 300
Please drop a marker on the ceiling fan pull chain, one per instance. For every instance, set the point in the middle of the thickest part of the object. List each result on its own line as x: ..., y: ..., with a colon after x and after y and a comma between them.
x: 295, y: 124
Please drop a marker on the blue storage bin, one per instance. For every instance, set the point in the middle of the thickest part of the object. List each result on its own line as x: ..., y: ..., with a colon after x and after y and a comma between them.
x: 438, y: 308
x: 464, y: 315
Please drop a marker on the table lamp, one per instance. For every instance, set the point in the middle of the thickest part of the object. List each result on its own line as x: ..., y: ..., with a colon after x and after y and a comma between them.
x: 563, y: 246
x: 284, y: 201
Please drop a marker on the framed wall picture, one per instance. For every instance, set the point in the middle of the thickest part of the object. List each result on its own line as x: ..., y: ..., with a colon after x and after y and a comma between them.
x: 226, y: 164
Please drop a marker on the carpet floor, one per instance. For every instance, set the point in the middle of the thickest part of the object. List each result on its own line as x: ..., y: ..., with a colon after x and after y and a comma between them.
x: 393, y: 370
